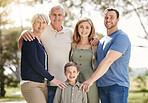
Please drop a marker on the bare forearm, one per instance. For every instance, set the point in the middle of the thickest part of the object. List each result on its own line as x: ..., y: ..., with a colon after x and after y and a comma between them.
x: 105, y: 64
x: 21, y: 39
x: 101, y: 70
x: 20, y: 42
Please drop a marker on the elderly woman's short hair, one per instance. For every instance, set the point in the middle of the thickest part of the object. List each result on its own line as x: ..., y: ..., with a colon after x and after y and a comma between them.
x: 41, y: 16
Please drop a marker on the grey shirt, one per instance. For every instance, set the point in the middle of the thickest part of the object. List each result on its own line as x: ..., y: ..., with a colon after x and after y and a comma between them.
x: 70, y: 94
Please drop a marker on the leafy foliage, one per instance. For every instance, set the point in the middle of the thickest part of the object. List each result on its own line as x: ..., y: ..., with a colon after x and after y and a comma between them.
x: 8, y: 42
x: 141, y: 82
x: 126, y: 8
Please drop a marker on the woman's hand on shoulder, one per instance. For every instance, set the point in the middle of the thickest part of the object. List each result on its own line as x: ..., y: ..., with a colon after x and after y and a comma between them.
x: 59, y: 83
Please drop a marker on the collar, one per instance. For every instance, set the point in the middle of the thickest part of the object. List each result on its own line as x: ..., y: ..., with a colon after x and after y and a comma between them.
x: 60, y: 32
x: 77, y: 83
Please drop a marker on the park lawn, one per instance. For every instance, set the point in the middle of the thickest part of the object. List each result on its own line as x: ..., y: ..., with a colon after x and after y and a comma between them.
x: 135, y: 94
x: 138, y: 97
x: 12, y: 94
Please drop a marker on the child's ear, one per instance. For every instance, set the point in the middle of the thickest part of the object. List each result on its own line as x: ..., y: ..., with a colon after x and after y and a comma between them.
x: 65, y: 73
x: 78, y: 72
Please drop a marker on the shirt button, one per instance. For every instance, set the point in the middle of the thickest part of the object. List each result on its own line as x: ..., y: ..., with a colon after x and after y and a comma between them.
x: 80, y: 64
x: 80, y: 56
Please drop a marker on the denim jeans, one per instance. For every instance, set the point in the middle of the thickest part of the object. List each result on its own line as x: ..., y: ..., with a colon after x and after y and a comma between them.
x: 51, y: 93
x: 113, y: 94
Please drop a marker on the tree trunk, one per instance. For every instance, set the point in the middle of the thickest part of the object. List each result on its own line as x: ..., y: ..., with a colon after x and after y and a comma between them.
x: 2, y: 90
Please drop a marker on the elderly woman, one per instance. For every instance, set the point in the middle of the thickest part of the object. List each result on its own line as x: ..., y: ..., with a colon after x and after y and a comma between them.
x: 34, y: 72
x: 84, y: 54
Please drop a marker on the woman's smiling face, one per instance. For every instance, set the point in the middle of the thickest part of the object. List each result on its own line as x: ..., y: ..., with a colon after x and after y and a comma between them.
x: 84, y: 29
x: 39, y: 25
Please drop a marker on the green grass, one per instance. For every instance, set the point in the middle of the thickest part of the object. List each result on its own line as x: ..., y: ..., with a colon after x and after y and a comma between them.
x: 9, y: 96
x: 136, y: 95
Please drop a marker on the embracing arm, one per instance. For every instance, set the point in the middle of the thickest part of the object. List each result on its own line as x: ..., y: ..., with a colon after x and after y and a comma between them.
x: 102, y: 68
x: 94, y: 41
x: 20, y: 39
x: 27, y: 36
x: 31, y: 50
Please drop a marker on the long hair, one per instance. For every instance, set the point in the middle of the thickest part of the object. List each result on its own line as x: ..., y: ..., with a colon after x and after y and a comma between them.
x: 76, y: 35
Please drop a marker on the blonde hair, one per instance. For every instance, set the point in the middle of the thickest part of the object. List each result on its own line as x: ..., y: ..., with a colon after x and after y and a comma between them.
x: 76, y: 35
x: 41, y: 16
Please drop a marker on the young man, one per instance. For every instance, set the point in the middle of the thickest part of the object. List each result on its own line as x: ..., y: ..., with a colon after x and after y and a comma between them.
x: 113, y: 57
x: 70, y: 94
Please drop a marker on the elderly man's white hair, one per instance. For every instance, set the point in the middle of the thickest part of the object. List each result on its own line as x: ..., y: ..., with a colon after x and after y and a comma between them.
x: 58, y: 6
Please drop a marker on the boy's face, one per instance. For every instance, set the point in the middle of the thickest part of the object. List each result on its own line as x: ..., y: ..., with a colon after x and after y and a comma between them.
x: 71, y: 74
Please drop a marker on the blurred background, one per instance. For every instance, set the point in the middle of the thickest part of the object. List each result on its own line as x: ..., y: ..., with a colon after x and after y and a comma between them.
x: 15, y: 16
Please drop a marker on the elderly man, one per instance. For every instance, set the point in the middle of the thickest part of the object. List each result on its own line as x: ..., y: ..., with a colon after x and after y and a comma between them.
x: 57, y: 43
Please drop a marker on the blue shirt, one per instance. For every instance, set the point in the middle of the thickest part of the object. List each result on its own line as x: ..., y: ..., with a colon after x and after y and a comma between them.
x: 118, y: 71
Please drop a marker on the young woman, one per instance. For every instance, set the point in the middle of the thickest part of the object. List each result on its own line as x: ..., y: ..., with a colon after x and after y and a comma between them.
x: 84, y: 54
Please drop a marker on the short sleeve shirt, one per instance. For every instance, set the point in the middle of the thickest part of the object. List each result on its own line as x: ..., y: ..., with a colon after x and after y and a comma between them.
x: 118, y: 71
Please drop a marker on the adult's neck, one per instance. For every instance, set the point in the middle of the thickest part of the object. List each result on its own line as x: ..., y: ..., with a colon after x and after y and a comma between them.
x: 37, y: 35
x: 112, y: 30
x: 84, y: 41
x: 73, y: 82
x: 57, y: 27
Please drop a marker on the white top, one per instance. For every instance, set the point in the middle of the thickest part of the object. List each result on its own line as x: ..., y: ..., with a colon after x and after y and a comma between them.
x: 57, y: 46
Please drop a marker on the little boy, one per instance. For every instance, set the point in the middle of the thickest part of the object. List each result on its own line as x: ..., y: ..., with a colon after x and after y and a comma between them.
x: 70, y: 94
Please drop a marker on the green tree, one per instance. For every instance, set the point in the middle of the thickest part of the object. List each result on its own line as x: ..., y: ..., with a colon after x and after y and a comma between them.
x: 3, y: 21
x: 127, y: 7
x: 8, y: 41
x: 141, y: 82
x: 11, y: 52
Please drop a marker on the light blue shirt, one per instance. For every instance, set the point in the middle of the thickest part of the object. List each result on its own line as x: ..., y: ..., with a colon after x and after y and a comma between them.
x: 118, y: 71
